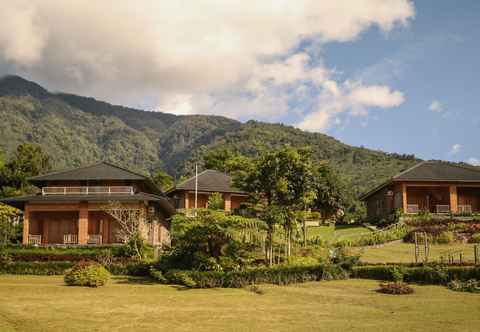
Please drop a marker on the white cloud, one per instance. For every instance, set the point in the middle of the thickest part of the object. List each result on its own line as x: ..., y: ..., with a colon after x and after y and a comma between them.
x: 455, y: 148
x: 231, y: 57
x: 352, y: 97
x: 436, y: 106
x: 474, y: 161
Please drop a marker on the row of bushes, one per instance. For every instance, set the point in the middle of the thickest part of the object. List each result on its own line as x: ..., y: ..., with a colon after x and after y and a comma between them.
x: 73, y: 254
x: 422, y: 275
x: 394, y: 232
x: 279, y: 275
x: 58, y: 268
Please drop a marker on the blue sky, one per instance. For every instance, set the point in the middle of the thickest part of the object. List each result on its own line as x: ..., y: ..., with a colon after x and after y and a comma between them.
x: 435, y: 58
x: 394, y: 75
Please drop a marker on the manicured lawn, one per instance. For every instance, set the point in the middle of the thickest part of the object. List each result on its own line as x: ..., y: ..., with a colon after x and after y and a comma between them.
x: 338, y: 232
x: 405, y: 252
x: 32, y: 303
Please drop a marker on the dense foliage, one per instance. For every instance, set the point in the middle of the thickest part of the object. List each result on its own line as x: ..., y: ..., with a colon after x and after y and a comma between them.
x: 89, y: 274
x: 28, y: 160
x: 146, y: 141
x: 211, y: 241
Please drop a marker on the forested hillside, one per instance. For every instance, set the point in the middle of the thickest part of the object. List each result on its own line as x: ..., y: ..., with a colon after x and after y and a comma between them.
x: 76, y: 130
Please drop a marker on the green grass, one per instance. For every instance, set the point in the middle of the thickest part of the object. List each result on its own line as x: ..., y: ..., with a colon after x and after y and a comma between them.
x: 339, y: 232
x: 44, y: 304
x: 399, y: 252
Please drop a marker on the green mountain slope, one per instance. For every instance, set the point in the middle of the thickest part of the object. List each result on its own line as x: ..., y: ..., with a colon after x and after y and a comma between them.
x: 77, y: 130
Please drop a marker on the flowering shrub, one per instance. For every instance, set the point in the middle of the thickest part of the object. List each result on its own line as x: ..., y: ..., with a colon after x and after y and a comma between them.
x: 395, y: 288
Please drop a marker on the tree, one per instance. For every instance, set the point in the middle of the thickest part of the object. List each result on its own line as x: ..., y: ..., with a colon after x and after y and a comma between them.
x: 27, y: 161
x: 10, y: 227
x: 212, y: 240
x: 281, y: 182
x: 329, y: 190
x: 216, y: 202
x: 130, y: 223
x: 226, y: 160
x: 163, y: 180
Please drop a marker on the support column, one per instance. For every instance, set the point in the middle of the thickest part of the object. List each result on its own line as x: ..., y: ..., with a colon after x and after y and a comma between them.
x: 83, y: 224
x: 453, y: 199
x: 227, y: 198
x: 45, y: 231
x: 185, y: 199
x: 404, y: 198
x: 26, y: 225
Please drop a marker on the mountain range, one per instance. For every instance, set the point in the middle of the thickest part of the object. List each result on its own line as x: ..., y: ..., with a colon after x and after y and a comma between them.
x: 76, y: 130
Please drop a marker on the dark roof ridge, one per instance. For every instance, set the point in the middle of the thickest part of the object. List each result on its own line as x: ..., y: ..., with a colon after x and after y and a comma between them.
x: 84, y: 167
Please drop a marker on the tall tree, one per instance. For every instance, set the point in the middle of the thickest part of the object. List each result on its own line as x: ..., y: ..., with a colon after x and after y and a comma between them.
x: 282, y: 182
x: 162, y: 179
x: 27, y: 161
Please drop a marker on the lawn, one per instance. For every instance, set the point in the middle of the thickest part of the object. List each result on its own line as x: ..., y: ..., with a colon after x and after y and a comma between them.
x: 338, y: 232
x: 399, y: 252
x: 34, y: 303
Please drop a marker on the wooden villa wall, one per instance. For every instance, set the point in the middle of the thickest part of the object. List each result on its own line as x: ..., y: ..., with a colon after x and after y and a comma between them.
x: 469, y: 196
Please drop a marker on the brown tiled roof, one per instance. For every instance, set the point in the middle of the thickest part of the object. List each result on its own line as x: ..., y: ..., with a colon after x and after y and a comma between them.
x: 439, y: 171
x: 100, y: 171
x: 210, y: 181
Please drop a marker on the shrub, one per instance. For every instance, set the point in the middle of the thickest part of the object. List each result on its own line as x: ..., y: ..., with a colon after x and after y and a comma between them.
x: 90, y: 274
x: 180, y: 278
x: 471, y: 286
x: 216, y: 202
x: 444, y: 238
x: 395, y: 288
x: 475, y: 238
x: 158, y: 276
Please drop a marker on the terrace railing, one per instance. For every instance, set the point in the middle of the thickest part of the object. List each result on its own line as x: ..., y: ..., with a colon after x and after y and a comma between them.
x: 412, y: 208
x: 464, y: 209
x: 34, y: 239
x: 70, y: 239
x: 94, y: 239
x: 87, y: 190
x: 441, y: 208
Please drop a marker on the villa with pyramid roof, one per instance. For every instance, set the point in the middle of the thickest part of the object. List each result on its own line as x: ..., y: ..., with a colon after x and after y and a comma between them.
x: 71, y: 207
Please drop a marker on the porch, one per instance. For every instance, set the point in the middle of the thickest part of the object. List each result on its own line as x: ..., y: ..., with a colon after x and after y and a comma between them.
x: 67, y: 228
x: 441, y: 199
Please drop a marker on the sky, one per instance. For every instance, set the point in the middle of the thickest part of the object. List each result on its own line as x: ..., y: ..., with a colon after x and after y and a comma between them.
x: 393, y: 75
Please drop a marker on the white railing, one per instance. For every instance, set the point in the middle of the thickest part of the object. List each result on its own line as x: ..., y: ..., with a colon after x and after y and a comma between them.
x: 94, y: 239
x: 464, y: 209
x: 443, y: 208
x: 34, y: 239
x: 70, y: 239
x: 412, y: 208
x: 98, y: 190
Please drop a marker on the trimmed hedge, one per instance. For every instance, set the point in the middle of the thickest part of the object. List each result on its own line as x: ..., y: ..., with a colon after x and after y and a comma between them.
x: 140, y: 269
x: 71, y: 254
x: 424, y: 275
x: 279, y: 275
x: 35, y: 268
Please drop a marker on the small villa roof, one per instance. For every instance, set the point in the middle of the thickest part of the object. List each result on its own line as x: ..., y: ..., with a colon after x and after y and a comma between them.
x: 432, y: 171
x: 210, y: 181
x: 100, y: 171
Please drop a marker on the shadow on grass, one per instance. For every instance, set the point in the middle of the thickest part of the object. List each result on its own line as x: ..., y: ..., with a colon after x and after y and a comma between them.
x: 128, y: 280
